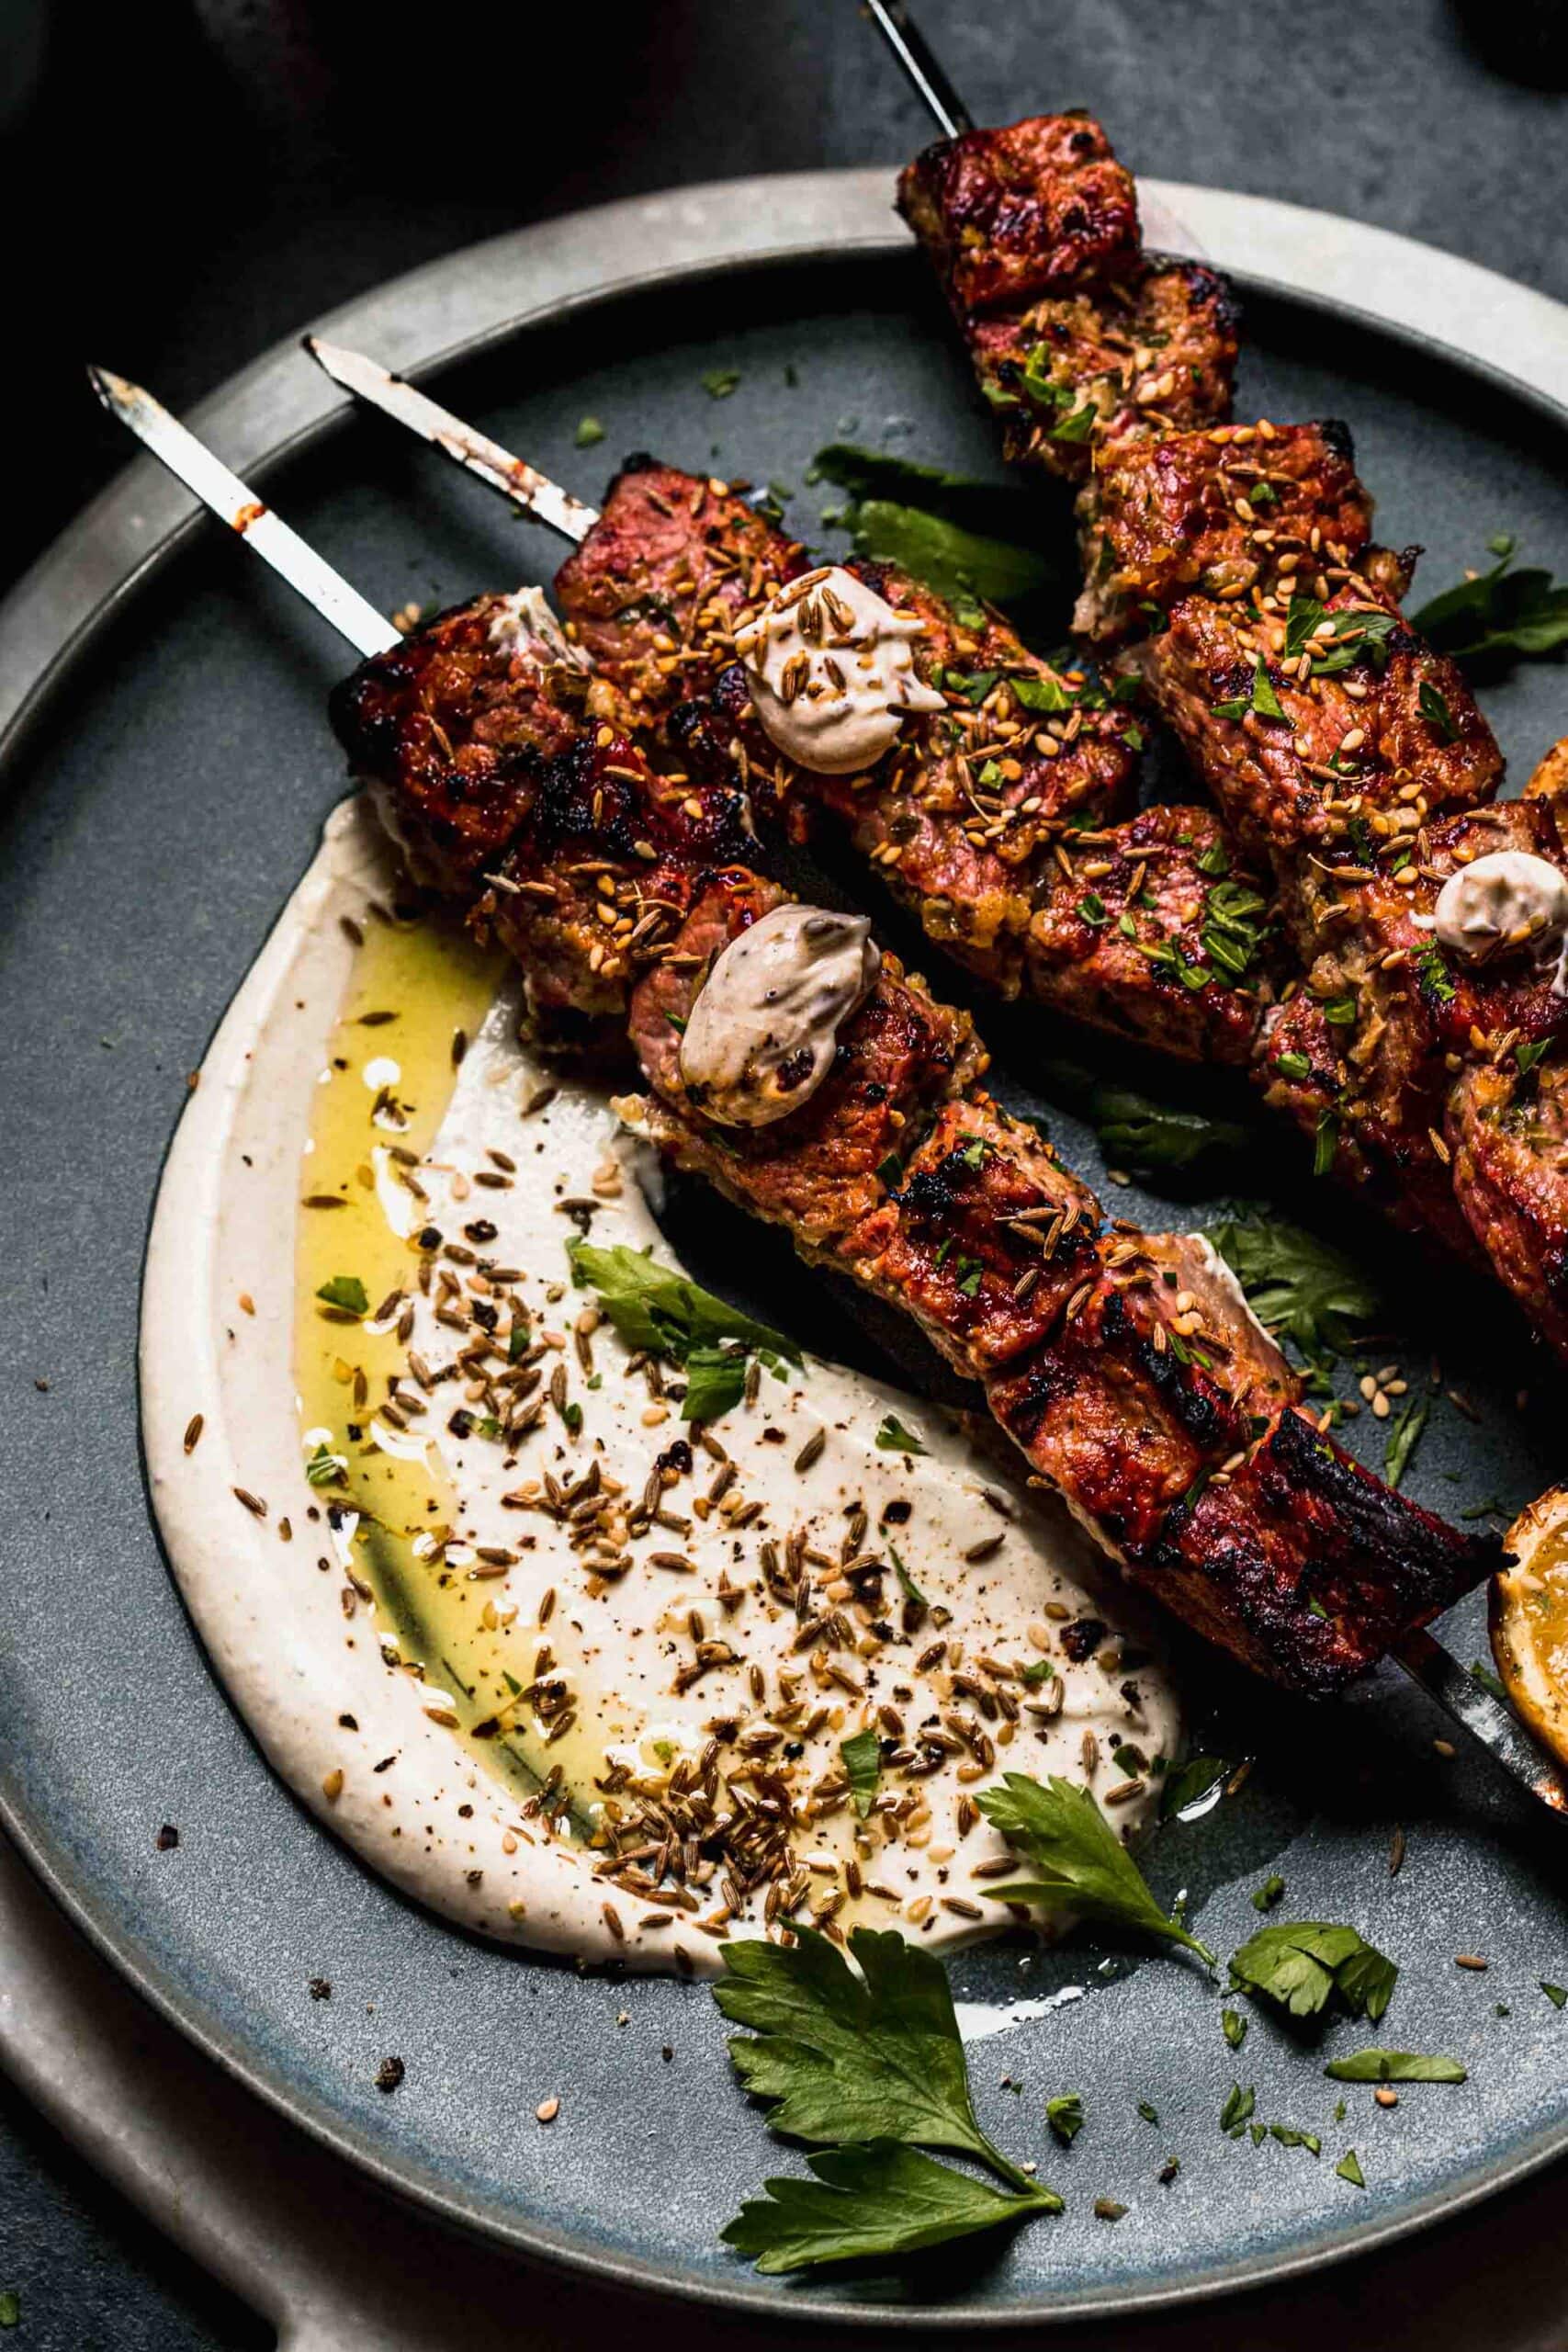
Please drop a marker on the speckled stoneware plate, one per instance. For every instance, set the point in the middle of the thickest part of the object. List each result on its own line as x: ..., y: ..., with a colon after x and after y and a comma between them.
x: 167, y: 768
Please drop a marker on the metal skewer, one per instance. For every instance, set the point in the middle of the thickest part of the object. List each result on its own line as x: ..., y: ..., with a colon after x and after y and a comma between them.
x: 1465, y: 1701
x: 516, y: 479
x: 906, y: 41
x: 367, y: 631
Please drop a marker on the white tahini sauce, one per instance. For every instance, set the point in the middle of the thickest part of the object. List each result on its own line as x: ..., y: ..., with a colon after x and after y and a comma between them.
x: 763, y: 1032
x: 1506, y: 900
x: 832, y: 670
x: 372, y: 1632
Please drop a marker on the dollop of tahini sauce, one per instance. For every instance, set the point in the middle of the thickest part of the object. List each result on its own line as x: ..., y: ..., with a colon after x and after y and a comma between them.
x: 763, y: 1030
x: 1506, y: 900
x: 832, y: 670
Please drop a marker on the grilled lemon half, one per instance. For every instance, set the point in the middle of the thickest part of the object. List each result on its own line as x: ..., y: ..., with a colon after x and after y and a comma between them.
x: 1529, y: 1619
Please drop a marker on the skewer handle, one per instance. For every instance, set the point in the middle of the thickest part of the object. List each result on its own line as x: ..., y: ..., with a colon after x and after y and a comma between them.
x: 931, y: 84
x: 235, y: 503
x: 1470, y: 1704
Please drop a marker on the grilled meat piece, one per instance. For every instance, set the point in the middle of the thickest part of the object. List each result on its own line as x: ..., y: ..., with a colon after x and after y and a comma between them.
x: 1037, y: 207
x: 461, y: 715
x: 1151, y: 931
x: 1125, y: 1364
x: 985, y: 1237
x: 1155, y: 350
x: 825, y: 1170
x: 1224, y: 512
x: 975, y: 819
x: 1378, y: 720
x: 1301, y: 1531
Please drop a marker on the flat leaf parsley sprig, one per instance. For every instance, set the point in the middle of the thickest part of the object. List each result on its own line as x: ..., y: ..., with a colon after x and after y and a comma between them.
x: 871, y: 2068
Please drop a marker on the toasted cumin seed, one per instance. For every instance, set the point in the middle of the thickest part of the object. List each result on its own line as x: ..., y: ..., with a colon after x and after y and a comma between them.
x: 193, y: 1428
x: 253, y: 1503
x: 811, y: 1450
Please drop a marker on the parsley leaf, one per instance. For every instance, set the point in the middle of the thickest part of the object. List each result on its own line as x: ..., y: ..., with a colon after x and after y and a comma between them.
x: 1349, y: 2168
x: 346, y: 1293
x: 1264, y: 701
x: 907, y: 1586
x: 1296, y: 1283
x: 1136, y: 1132
x: 326, y: 1468
x: 1394, y: 2066
x: 876, y: 2200
x: 893, y: 1437
x: 720, y: 382
x: 872, y: 2066
x: 1498, y: 615
x: 963, y: 567
x: 1079, y: 1862
x: 589, y: 431
x: 1435, y: 711
x: 1237, y: 2107
x: 1404, y: 1436
x: 1554, y: 1994
x: 1302, y: 1964
x: 1354, y: 635
x: 715, y: 1382
x: 1234, y: 2026
x: 652, y: 1306
x: 848, y: 2057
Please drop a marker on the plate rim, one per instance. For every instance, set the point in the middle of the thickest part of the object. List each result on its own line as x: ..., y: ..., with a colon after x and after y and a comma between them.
x: 456, y: 308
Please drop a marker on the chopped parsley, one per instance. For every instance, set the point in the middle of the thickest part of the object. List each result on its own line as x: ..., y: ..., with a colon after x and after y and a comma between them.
x: 1238, y: 2110
x: 1066, y: 2117
x: 1404, y: 1435
x: 720, y: 382
x: 1435, y: 711
x: 1394, y: 2066
x: 863, y: 1770
x: 346, y: 1293
x: 1302, y: 1966
x: 1233, y: 922
x: 589, y: 431
x: 1435, y: 978
x: 892, y: 1437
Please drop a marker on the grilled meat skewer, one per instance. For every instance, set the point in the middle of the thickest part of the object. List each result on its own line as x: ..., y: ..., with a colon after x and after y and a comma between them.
x: 1124, y: 1366
x: 1235, y: 565
x: 1490, y: 1722
x: 1000, y: 823
x: 667, y: 577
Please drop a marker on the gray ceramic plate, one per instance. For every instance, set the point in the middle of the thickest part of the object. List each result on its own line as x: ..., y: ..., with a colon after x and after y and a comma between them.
x: 163, y: 791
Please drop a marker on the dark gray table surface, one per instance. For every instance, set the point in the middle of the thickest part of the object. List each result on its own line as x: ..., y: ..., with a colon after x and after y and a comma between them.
x: 199, y: 178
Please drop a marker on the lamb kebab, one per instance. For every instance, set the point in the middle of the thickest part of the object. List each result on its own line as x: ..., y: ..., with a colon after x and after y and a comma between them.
x: 1235, y: 567
x: 679, y: 576
x: 818, y: 1086
x: 997, y: 815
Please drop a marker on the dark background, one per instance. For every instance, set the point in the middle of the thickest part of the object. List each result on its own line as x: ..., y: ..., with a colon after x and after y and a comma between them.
x: 186, y: 182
